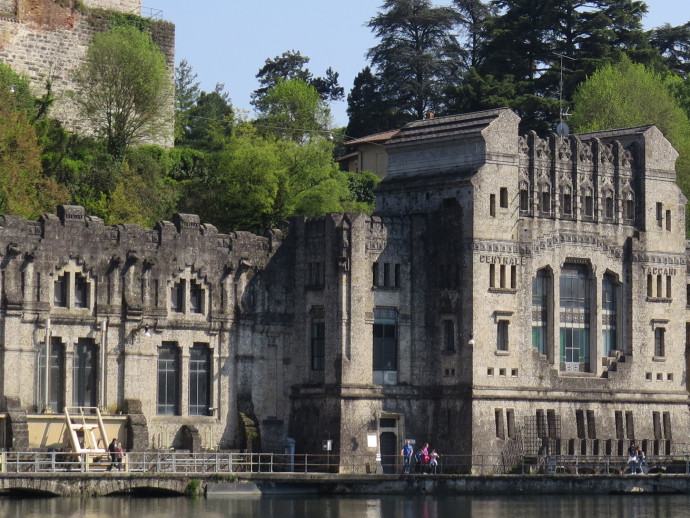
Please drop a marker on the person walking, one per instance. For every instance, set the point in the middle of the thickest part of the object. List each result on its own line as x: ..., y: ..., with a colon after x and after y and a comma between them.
x: 115, y: 451
x: 632, y: 457
x: 406, y: 454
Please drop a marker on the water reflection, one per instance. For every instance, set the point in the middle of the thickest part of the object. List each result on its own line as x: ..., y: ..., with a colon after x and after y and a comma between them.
x: 405, y: 506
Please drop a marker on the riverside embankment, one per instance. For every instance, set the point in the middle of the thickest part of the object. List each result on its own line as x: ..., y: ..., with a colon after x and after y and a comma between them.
x: 102, y: 484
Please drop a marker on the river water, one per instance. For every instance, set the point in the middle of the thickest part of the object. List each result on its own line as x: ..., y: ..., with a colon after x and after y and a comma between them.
x: 407, y: 506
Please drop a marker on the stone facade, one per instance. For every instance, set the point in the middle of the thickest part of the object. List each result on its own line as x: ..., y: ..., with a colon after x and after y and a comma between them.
x: 47, y: 41
x: 510, y: 295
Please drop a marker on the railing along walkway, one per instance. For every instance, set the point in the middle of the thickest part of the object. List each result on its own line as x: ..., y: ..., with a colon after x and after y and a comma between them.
x: 233, y: 462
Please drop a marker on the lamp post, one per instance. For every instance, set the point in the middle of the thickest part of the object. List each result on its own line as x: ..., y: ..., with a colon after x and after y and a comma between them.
x: 471, y: 341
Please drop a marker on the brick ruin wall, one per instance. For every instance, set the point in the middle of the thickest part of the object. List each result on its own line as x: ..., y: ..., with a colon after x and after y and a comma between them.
x: 44, y: 40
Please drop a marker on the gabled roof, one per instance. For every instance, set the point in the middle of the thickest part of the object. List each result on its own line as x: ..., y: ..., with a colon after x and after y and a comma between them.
x: 449, y: 126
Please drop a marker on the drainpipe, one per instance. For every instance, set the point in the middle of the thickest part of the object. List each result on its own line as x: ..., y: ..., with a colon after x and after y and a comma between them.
x: 104, y: 344
x: 46, y: 395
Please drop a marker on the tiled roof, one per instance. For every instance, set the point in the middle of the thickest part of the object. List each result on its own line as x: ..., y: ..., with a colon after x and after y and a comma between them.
x: 376, y: 137
x: 449, y: 126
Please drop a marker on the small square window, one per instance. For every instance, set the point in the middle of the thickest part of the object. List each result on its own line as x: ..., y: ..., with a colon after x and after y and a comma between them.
x: 669, y: 376
x: 502, y: 372
x: 490, y: 371
x: 514, y: 373
x: 648, y: 376
x: 659, y: 376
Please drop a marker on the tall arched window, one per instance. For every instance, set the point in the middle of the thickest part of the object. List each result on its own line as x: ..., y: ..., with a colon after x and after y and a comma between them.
x: 540, y: 310
x: 609, y: 316
x: 574, y: 318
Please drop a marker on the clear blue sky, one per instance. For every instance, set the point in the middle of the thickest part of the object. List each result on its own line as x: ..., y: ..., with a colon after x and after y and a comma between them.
x: 228, y: 41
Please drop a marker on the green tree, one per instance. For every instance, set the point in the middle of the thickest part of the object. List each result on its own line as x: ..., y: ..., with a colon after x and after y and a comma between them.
x: 674, y: 45
x: 293, y: 110
x: 291, y: 65
x: 210, y: 121
x: 368, y: 110
x: 186, y: 96
x: 124, y: 88
x: 628, y: 94
x: 24, y: 191
x: 418, y: 54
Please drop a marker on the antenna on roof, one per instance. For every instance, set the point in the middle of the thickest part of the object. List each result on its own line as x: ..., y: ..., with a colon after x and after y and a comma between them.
x: 562, y: 128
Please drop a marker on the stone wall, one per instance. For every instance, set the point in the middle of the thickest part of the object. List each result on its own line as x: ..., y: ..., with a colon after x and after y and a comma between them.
x: 125, y: 6
x: 46, y: 42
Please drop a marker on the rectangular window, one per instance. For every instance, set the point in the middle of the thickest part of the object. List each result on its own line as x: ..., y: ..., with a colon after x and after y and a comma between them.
x: 659, y: 293
x: 659, y: 214
x: 510, y: 418
x: 177, y: 297
x: 567, y: 204
x: 37, y: 287
x: 668, y: 220
x: 524, y: 201
x: 540, y: 310
x: 668, y: 286
x: 318, y: 346
x: 81, y: 291
x: 500, y: 428
x: 60, y: 291
x: 575, y: 318
x: 387, y: 274
x: 609, y: 314
x: 504, y: 197
x: 546, y: 202
x: 650, y: 286
x: 608, y: 208
x: 56, y: 378
x: 659, y: 347
x: 589, y: 206
x: 397, y: 275
x: 375, y: 274
x: 199, y: 379
x: 492, y: 275
x: 196, y: 297
x: 492, y: 205
x: 513, y: 277
x: 449, y: 335
x: 385, y: 340
x: 85, y: 372
x: 168, y: 379
x: 502, y: 273
x: 502, y: 339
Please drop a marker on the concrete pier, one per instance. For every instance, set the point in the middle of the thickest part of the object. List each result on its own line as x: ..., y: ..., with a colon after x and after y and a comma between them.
x: 102, y: 484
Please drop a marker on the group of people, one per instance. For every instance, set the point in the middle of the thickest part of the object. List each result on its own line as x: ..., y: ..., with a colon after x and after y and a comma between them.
x: 635, y: 458
x: 421, y: 460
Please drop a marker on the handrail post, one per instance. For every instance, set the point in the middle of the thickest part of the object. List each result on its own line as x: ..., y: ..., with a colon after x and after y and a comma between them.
x: 305, y: 462
x: 3, y: 461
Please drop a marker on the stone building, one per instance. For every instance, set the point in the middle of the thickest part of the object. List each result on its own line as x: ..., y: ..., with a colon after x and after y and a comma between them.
x: 47, y: 39
x: 510, y: 295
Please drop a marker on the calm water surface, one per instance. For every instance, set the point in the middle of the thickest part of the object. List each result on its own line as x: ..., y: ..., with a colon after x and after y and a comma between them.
x: 412, y: 506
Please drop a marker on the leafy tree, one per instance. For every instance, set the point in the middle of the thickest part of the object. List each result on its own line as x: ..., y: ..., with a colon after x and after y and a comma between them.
x: 674, y: 45
x: 15, y: 90
x: 186, y: 96
x: 626, y: 95
x: 24, y: 191
x: 293, y: 110
x: 368, y: 110
x: 418, y: 54
x: 210, y: 121
x: 474, y: 16
x: 124, y: 87
x: 291, y: 65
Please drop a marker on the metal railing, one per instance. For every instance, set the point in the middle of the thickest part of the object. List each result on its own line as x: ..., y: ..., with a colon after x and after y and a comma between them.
x: 175, y: 462
x: 151, y: 13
